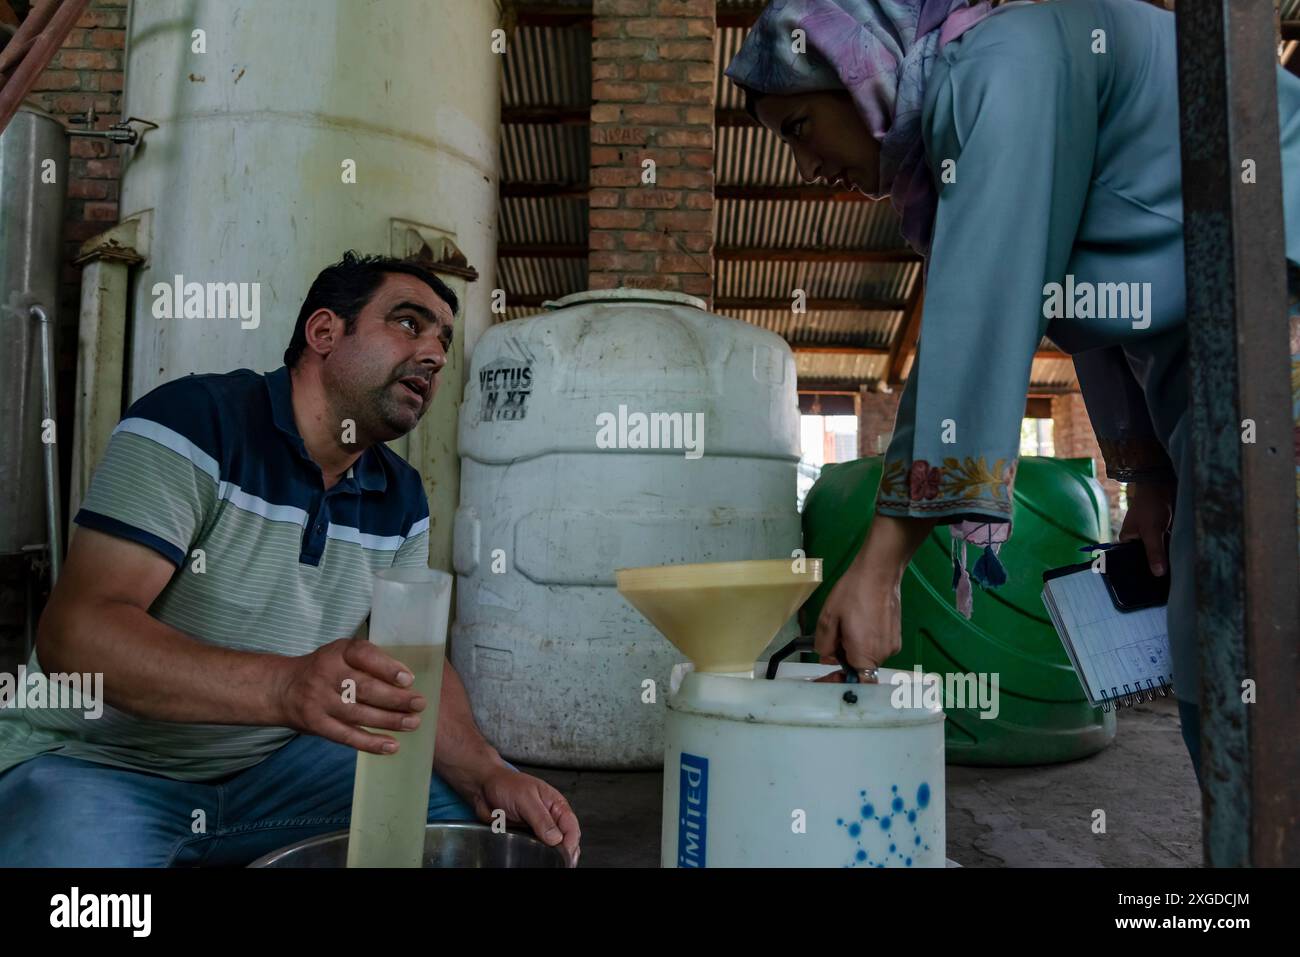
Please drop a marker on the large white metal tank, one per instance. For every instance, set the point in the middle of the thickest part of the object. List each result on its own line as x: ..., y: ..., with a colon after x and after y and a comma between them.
x: 790, y: 773
x: 33, y: 180
x: 555, y: 661
x: 248, y: 174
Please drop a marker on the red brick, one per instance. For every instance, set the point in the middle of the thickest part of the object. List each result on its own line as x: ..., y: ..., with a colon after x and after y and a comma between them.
x: 83, y: 147
x: 645, y: 198
x: 88, y: 189
x: 89, y: 60
x: 607, y: 155
x: 96, y: 17
x: 108, y: 81
x: 603, y: 90
x: 618, y: 262
x: 645, y: 241
x: 685, y: 179
x: 663, y: 158
x: 607, y: 28
x: 683, y: 221
x: 76, y: 39
x: 606, y: 113
x: 699, y: 116
x: 687, y: 93
x: 698, y: 159
x: 101, y: 212
x: 685, y: 8
x: 658, y: 71
x: 696, y: 242
x: 700, y: 50
x: 617, y: 219
x: 700, y: 27
x: 619, y: 49
x: 620, y: 8
x: 108, y: 39
x: 604, y: 198
x: 110, y: 168
x: 615, y: 176
x: 603, y: 280
x: 605, y: 239
x: 605, y: 70
x: 698, y: 284
x: 659, y: 27
x: 699, y: 200
x: 680, y: 262
x: 698, y: 72
x: 699, y: 138
x: 618, y: 135
x: 650, y: 281
x: 654, y: 116
x: 58, y: 80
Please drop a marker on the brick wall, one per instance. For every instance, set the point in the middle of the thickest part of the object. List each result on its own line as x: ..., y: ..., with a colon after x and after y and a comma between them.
x: 1072, y: 437
x: 652, y: 98
x: 876, y: 414
x: 86, y: 72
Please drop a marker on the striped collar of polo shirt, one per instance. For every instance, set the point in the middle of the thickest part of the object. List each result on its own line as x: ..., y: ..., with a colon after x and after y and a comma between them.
x: 236, y: 431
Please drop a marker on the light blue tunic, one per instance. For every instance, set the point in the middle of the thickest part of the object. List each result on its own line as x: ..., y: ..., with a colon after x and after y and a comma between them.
x: 1053, y: 134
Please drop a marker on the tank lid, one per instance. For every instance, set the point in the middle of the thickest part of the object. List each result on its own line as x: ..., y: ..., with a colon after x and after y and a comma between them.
x: 625, y: 294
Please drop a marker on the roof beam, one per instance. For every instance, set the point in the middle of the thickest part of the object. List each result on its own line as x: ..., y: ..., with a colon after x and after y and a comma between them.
x: 905, y: 343
x: 809, y: 193
x: 726, y: 254
x: 783, y: 304
x: 814, y: 255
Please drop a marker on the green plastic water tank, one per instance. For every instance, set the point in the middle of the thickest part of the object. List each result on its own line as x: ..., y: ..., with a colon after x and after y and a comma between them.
x: 1043, y: 716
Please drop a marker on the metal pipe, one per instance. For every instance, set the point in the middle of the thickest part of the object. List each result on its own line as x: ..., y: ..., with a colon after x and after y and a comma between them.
x: 1247, y: 605
x: 52, y: 520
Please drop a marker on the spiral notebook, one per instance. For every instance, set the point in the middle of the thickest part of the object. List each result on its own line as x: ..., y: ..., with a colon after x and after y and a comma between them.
x: 1121, y: 657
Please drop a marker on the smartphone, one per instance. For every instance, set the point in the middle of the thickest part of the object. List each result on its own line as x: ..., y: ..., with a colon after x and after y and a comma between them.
x: 1128, y: 577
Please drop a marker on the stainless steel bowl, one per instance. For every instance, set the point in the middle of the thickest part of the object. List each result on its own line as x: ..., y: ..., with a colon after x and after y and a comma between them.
x: 446, y: 844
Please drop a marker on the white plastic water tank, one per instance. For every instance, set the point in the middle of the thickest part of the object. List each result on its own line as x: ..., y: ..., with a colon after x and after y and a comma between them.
x: 791, y: 773
x: 562, y: 483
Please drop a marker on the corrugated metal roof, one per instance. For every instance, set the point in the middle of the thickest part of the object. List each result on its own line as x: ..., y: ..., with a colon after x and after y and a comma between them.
x: 538, y: 153
x: 551, y: 66
x: 546, y: 66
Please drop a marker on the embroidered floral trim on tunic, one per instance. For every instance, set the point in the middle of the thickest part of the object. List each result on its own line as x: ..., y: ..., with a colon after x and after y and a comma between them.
x: 1134, y: 458
x: 969, y: 483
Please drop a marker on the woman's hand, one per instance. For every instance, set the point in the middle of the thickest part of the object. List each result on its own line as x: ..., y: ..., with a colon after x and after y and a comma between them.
x: 1150, y: 509
x: 863, y: 614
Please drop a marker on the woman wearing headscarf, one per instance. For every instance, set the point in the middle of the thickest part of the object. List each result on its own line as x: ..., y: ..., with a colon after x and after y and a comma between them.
x: 1032, y: 153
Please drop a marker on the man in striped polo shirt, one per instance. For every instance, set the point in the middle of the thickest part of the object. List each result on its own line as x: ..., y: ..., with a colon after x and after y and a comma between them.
x: 219, y: 576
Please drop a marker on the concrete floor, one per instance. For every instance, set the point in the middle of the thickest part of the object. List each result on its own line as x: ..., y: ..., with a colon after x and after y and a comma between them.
x: 997, y: 817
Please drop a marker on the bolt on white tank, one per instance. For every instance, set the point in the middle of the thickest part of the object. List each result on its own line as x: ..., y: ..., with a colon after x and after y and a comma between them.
x: 651, y: 430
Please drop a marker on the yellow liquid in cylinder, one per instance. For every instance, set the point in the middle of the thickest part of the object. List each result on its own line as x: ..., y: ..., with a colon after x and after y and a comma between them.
x: 390, y: 798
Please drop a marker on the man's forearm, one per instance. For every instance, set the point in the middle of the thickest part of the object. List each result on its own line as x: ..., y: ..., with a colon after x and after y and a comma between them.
x: 462, y: 756
x: 152, y: 670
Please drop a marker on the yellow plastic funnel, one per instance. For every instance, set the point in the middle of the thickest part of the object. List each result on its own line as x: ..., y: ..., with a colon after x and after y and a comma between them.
x: 721, y: 615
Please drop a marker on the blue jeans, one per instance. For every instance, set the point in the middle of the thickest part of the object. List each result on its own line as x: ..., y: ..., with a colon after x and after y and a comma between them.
x: 57, y: 811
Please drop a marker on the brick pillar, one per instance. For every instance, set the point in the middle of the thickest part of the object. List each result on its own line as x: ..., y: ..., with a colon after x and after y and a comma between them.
x: 876, y: 414
x: 1072, y: 437
x: 652, y: 99
x: 87, y: 71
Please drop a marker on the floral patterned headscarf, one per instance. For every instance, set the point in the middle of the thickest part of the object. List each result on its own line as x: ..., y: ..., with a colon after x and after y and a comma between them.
x: 881, y: 52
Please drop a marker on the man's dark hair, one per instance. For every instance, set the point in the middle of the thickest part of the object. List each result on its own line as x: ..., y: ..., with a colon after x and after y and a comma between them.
x: 346, y: 287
